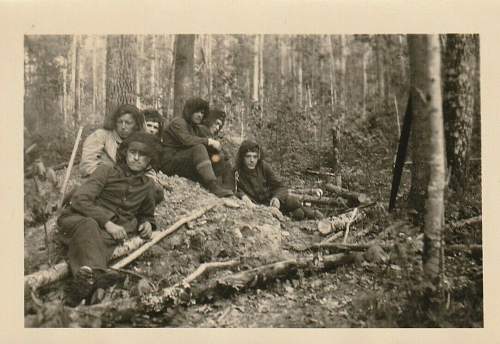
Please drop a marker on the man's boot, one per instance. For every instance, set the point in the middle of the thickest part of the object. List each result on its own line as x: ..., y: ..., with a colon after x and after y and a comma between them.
x: 217, y: 190
x: 209, y: 179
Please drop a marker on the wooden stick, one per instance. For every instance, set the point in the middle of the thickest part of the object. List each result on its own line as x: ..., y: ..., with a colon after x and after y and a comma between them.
x: 205, y: 267
x: 134, y: 255
x: 348, y: 225
x: 70, y: 167
x: 61, y: 270
x: 333, y: 237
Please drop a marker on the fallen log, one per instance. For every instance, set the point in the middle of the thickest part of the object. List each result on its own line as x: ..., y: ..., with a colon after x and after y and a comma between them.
x: 356, y: 198
x: 321, y: 173
x: 42, y: 278
x: 307, y: 191
x: 466, y: 222
x: 318, y: 200
x: 329, y: 225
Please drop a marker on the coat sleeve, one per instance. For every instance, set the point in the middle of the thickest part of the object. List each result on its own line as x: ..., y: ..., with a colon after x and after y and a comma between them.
x: 178, y: 128
x: 275, y: 185
x: 84, y: 199
x: 92, y: 150
x: 147, y: 209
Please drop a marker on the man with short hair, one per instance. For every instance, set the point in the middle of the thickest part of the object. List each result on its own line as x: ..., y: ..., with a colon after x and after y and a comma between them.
x: 113, y: 203
x: 185, y: 151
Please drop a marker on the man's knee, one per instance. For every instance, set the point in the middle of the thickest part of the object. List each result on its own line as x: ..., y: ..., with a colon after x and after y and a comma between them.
x: 199, y: 153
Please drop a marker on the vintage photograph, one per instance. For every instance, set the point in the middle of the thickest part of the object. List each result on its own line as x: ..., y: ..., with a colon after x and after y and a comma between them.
x: 252, y: 181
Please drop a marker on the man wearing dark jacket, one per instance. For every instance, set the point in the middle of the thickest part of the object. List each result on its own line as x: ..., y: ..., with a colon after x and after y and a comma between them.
x: 255, y: 182
x: 114, y: 202
x: 185, y: 151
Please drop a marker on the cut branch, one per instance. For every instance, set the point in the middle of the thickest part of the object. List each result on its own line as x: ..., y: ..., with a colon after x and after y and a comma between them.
x: 355, y: 197
x: 61, y: 270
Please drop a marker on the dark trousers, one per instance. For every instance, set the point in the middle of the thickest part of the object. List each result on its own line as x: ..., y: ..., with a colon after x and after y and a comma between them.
x: 87, y: 243
x: 186, y: 162
x: 289, y: 204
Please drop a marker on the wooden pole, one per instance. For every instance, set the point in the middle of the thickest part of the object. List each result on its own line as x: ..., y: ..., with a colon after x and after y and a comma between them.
x: 70, y: 167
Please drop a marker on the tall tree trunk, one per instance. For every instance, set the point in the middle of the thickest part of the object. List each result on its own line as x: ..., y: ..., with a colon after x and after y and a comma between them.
x: 76, y: 109
x: 65, y: 92
x: 152, y: 73
x: 379, y: 51
x: 121, y: 55
x: 184, y: 71
x: 343, y: 77
x: 256, y: 73
x: 94, y: 75
x: 138, y: 69
x: 333, y: 88
x: 300, y: 73
x: 366, y: 55
x: 208, y: 53
x: 72, y: 83
x: 261, y: 73
x: 458, y: 106
x: 428, y: 145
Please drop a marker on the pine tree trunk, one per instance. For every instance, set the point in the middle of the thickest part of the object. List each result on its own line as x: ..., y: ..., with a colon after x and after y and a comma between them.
x: 140, y: 58
x: 428, y: 145
x: 72, y: 83
x: 261, y: 73
x: 458, y: 106
x: 152, y: 73
x: 256, y: 64
x: 333, y: 88
x: 65, y: 92
x: 379, y: 51
x: 94, y: 75
x: 365, y: 57
x: 184, y: 71
x: 300, y: 72
x: 76, y: 109
x: 343, y: 77
x: 121, y: 73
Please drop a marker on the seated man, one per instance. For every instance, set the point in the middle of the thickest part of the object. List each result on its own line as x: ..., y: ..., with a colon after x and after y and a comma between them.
x: 185, y: 151
x: 255, y: 182
x: 153, y: 124
x: 211, y: 127
x: 114, y: 202
x: 100, y: 146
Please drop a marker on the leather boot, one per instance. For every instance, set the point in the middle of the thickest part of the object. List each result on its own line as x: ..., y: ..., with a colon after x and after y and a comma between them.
x: 217, y: 190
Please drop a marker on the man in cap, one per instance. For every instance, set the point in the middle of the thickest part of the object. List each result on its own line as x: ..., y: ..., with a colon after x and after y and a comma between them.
x: 114, y: 202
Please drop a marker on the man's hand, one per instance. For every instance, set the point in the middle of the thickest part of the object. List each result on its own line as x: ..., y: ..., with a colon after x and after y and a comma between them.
x: 275, y: 202
x: 145, y: 230
x: 116, y: 231
x: 214, y: 143
x: 247, y: 201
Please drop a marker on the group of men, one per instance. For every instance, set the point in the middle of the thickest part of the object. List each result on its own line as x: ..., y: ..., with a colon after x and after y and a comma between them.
x: 121, y: 188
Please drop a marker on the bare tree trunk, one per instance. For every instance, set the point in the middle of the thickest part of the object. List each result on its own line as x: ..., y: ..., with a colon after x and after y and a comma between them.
x: 333, y: 88
x: 300, y: 71
x: 256, y: 64
x: 209, y: 67
x: 458, y: 107
x: 140, y: 58
x: 76, y: 109
x: 72, y: 83
x: 184, y: 71
x: 65, y: 92
x: 121, y: 55
x: 94, y: 75
x: 152, y: 74
x: 428, y: 152
x: 366, y: 55
x: 343, y: 77
x: 261, y: 74
x: 379, y: 51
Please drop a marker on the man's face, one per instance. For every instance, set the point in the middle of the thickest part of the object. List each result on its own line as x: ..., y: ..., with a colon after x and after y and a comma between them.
x: 216, y: 126
x: 125, y: 125
x: 197, y: 117
x: 137, y: 157
x: 152, y: 127
x: 250, y: 159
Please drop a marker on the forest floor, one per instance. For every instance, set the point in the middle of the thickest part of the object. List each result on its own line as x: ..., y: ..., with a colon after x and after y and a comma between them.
x: 377, y: 288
